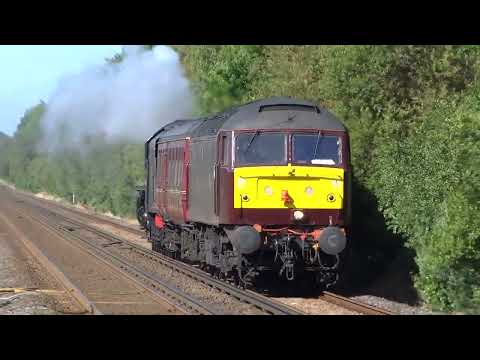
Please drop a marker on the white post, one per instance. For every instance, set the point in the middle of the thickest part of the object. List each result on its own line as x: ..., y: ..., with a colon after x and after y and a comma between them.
x: 73, y: 198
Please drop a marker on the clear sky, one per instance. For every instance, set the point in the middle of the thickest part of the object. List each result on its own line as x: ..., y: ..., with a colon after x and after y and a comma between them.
x: 29, y: 73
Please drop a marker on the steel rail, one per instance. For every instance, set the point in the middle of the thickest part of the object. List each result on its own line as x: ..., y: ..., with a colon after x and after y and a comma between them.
x: 70, y: 289
x: 353, y: 305
x: 147, y: 281
x: 259, y: 301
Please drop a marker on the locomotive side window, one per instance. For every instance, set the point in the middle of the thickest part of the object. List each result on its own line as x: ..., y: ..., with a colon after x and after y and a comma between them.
x: 316, y: 149
x: 226, y: 151
x: 260, y: 148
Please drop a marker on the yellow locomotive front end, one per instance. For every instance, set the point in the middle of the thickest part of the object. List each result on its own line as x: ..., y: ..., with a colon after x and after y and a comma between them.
x: 290, y: 187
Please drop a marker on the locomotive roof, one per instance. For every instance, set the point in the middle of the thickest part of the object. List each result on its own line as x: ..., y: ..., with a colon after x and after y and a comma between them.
x: 271, y: 113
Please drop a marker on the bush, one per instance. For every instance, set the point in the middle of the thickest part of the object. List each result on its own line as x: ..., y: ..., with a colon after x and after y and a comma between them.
x: 448, y: 257
x: 430, y: 191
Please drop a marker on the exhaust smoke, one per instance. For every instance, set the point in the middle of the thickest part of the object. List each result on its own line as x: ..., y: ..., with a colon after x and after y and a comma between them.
x: 124, y: 101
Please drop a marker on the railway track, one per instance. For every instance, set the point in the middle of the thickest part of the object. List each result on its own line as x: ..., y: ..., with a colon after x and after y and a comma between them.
x: 246, y: 296
x: 160, y: 293
x: 352, y: 305
x: 76, y: 296
x: 151, y: 283
x: 75, y: 230
x: 98, y: 218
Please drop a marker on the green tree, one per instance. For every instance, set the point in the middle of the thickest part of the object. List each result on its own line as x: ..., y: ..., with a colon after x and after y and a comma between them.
x: 5, y: 142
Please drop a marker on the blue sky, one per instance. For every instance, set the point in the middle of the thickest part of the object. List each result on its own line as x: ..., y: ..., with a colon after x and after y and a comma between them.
x: 29, y: 73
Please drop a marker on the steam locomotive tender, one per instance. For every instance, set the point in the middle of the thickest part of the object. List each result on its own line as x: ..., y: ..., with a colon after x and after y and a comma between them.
x: 259, y: 188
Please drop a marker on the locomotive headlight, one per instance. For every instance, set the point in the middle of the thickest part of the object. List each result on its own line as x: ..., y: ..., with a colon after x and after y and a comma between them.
x: 268, y: 190
x: 298, y: 215
x: 309, y: 191
x: 241, y: 182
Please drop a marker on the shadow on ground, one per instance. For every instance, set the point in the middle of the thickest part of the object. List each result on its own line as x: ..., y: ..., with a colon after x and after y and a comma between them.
x: 379, y: 263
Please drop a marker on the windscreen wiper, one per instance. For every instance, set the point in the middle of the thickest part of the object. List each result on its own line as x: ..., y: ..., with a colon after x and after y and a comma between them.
x: 251, y: 141
x: 316, y: 145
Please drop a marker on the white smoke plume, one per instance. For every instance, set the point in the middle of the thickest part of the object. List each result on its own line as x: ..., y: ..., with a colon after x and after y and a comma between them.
x: 125, y: 101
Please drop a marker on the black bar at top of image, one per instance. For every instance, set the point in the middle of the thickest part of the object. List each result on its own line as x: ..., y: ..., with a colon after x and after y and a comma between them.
x: 241, y: 23
x: 235, y: 30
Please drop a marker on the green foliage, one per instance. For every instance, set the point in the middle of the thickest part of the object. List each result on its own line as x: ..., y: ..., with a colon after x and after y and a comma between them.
x: 413, y: 121
x: 221, y: 74
x: 4, y: 152
x: 449, y: 256
x: 429, y: 187
x: 23, y: 149
x: 104, y: 176
x: 3, y: 138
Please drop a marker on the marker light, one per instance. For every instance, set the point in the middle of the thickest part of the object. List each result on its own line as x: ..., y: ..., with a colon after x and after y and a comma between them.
x: 309, y: 191
x: 298, y: 215
x: 268, y: 190
x: 241, y: 182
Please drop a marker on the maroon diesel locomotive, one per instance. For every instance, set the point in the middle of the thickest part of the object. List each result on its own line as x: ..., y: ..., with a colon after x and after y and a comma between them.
x: 261, y: 187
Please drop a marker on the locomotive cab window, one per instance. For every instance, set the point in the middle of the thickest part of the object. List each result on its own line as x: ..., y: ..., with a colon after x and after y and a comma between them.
x: 225, y: 151
x: 316, y: 149
x: 257, y: 148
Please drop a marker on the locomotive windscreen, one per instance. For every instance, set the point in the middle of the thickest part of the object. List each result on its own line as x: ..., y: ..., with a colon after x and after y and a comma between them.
x: 316, y: 149
x: 260, y: 148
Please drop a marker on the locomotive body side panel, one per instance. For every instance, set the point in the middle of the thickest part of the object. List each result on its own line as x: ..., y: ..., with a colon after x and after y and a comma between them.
x: 151, y: 169
x: 166, y: 164
x: 224, y: 189
x: 160, y: 177
x: 171, y: 190
x: 185, y: 180
x: 176, y: 160
x: 202, y: 177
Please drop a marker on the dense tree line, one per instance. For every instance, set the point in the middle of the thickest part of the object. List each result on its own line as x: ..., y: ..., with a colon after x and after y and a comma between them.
x: 102, y: 175
x: 4, y: 143
x: 413, y: 114
x: 414, y: 117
